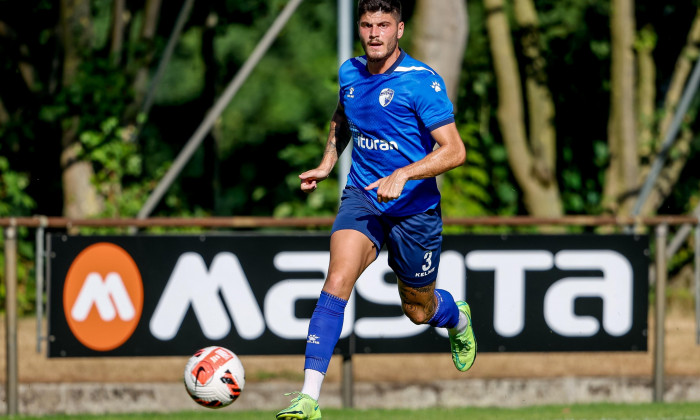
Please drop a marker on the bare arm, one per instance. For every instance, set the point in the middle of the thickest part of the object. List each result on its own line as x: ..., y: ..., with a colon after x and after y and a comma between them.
x: 449, y: 155
x: 338, y: 139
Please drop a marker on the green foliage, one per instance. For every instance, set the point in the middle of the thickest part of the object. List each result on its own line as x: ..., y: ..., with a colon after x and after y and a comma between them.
x: 279, y: 97
x: 563, y: 19
x: 282, y: 109
x: 101, y: 23
x: 490, y: 178
x: 97, y: 94
x: 118, y: 164
x: 26, y: 279
x: 15, y: 202
x: 465, y: 189
x: 306, y: 155
x: 183, y: 78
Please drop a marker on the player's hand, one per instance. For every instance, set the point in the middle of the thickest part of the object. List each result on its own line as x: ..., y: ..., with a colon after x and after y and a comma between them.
x: 310, y: 179
x: 388, y: 188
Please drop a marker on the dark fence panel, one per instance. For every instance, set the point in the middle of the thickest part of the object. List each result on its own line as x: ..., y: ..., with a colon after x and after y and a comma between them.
x: 141, y: 295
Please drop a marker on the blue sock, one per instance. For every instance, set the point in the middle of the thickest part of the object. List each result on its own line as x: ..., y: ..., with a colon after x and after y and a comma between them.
x: 446, y: 313
x: 324, y: 331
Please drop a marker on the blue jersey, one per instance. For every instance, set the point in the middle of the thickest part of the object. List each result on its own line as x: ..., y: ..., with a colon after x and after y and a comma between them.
x: 391, y: 116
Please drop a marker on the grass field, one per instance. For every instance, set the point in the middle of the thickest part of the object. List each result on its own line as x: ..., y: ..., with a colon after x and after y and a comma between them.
x: 685, y: 411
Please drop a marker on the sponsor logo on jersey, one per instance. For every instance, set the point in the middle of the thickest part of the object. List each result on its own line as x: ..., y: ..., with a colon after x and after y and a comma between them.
x: 436, y: 86
x: 365, y: 142
x: 351, y: 93
x: 385, y: 96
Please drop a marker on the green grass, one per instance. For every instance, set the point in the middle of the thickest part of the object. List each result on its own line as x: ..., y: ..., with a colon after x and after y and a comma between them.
x: 667, y: 411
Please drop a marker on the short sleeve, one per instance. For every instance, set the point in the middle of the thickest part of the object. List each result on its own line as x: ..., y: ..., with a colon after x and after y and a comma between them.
x: 432, y: 105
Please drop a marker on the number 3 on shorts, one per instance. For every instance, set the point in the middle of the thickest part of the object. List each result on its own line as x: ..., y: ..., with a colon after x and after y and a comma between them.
x: 427, y: 257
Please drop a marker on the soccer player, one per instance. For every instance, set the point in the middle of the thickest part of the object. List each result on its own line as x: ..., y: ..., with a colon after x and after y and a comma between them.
x: 395, y: 109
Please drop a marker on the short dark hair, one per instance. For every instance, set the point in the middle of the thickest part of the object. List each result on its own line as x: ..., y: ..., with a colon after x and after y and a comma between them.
x: 386, y: 6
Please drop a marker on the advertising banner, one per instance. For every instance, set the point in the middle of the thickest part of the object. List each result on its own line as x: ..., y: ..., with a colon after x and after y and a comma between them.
x: 159, y: 295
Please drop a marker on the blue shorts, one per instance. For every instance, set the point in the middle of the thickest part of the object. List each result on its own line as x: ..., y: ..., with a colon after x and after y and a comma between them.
x: 413, y: 242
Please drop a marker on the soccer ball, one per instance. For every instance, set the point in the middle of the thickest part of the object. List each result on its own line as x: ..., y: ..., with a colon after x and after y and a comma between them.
x: 214, y: 377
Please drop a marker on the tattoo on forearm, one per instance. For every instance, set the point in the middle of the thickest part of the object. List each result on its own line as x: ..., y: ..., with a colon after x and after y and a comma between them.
x: 331, y: 148
x: 338, y: 138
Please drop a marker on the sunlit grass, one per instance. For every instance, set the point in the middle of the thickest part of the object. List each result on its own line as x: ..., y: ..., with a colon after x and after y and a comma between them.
x: 666, y: 411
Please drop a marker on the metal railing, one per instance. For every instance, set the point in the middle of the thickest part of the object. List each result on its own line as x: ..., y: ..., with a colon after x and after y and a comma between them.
x: 10, y: 225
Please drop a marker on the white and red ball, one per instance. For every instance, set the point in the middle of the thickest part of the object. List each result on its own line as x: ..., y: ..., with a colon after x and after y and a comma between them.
x: 214, y: 377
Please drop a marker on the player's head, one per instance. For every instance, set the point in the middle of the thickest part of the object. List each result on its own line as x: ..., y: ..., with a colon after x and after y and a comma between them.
x: 386, y: 6
x: 380, y: 27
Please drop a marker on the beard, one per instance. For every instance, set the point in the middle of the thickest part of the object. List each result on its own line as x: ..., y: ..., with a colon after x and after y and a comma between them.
x: 377, y: 56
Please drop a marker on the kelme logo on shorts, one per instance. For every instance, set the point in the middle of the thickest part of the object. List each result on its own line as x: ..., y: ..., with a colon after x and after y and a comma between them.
x: 103, y: 296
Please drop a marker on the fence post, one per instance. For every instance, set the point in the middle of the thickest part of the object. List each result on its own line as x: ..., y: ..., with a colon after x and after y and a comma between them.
x: 39, y: 273
x: 660, y: 312
x: 11, y: 318
x: 347, y: 385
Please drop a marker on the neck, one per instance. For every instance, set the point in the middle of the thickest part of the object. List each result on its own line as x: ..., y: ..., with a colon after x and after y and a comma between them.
x: 381, y: 66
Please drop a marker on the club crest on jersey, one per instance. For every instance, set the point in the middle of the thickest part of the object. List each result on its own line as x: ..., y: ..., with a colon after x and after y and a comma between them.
x: 385, y: 97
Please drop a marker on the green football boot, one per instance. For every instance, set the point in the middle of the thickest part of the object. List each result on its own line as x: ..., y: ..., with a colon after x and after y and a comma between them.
x: 463, y: 345
x: 303, y: 407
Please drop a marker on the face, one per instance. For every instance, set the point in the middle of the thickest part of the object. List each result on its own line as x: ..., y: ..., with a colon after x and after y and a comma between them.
x: 379, y: 34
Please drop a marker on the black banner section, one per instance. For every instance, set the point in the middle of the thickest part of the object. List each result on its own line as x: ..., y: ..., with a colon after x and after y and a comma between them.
x: 147, y: 295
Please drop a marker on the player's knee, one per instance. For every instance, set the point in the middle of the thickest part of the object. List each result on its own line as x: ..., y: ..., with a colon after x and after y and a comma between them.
x: 338, y: 284
x: 416, y: 313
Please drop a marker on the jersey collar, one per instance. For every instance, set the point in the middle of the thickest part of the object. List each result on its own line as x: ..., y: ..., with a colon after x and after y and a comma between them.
x: 391, y: 69
x: 397, y: 62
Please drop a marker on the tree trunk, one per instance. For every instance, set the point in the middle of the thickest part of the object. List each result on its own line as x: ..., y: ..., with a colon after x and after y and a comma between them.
x: 539, y: 99
x: 622, y: 174
x: 115, y: 49
x: 143, y: 61
x: 672, y: 170
x: 80, y: 197
x: 646, y: 94
x: 540, y: 198
x: 440, y: 40
x: 440, y: 37
x: 4, y: 116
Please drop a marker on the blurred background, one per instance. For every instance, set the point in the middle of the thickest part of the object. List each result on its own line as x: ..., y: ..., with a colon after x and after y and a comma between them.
x: 566, y: 107
x: 563, y: 105
x: 573, y: 85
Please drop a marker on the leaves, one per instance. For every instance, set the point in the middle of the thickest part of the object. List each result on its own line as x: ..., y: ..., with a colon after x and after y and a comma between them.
x: 14, y: 200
